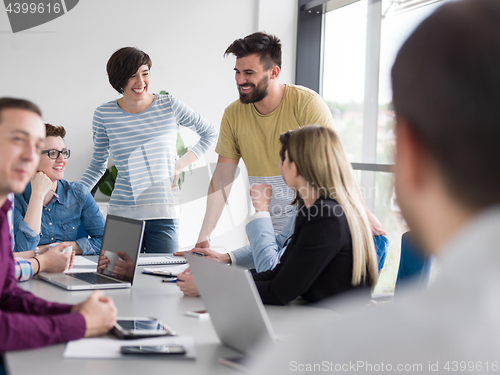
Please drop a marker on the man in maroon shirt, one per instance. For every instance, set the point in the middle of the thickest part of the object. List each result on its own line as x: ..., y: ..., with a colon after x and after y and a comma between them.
x: 27, y: 321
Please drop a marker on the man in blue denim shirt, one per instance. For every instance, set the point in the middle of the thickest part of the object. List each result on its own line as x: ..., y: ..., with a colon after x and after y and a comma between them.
x: 266, y: 247
x: 51, y: 209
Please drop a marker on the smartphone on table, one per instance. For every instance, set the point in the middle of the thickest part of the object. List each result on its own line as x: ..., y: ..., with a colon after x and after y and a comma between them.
x: 154, y: 349
x: 135, y: 328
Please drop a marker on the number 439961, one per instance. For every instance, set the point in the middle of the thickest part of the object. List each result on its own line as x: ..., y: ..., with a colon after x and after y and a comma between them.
x: 33, y: 8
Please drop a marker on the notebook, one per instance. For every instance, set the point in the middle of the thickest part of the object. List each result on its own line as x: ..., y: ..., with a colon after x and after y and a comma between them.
x: 233, y: 302
x: 164, y: 260
x: 165, y: 271
x: 120, y: 234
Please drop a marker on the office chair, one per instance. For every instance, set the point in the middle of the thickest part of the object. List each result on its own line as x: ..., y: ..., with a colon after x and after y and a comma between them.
x: 414, y: 265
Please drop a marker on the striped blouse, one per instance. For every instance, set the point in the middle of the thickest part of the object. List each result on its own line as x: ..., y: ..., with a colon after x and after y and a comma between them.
x: 144, y: 151
x: 23, y: 269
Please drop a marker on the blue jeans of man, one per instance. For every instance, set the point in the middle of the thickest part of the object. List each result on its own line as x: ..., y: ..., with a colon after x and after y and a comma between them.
x: 160, y: 236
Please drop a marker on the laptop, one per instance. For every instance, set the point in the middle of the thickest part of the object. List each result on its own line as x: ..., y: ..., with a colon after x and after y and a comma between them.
x: 120, y: 234
x: 233, y: 302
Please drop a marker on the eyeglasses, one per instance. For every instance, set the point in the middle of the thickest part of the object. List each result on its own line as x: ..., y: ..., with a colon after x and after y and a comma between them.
x: 54, y: 154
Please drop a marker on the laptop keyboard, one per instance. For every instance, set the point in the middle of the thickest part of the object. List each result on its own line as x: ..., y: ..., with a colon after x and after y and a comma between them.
x: 93, y: 278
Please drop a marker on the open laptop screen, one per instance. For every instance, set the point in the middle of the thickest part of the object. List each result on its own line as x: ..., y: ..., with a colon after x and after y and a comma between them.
x: 124, y: 235
x: 233, y: 302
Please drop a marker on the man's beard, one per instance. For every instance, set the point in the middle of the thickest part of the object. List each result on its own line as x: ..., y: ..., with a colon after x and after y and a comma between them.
x: 258, y: 93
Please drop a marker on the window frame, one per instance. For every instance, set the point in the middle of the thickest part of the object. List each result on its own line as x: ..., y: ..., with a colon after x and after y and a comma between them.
x: 309, y: 73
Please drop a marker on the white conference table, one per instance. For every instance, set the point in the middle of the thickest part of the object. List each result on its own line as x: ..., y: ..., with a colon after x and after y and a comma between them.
x: 149, y: 296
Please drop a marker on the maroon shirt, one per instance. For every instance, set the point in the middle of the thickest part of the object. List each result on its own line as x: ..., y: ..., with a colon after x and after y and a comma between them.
x: 27, y: 321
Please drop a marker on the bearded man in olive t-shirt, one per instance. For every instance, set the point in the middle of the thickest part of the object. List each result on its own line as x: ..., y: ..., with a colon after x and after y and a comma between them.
x: 252, y: 124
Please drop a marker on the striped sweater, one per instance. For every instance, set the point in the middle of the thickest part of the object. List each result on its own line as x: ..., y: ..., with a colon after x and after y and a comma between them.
x: 144, y: 150
x: 280, y: 206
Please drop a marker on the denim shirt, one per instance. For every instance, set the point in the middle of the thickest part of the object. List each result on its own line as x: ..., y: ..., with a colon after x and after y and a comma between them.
x: 61, y: 219
x: 266, y: 247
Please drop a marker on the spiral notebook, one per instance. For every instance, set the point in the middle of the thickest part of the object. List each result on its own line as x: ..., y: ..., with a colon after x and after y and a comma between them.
x: 160, y: 261
x: 165, y: 271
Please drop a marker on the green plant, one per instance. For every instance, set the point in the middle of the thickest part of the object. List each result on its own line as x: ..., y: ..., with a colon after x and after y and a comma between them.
x: 107, y: 182
x: 181, y: 150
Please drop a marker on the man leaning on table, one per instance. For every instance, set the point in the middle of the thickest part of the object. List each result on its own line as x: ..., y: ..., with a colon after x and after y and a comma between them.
x: 252, y: 124
x: 250, y: 130
x: 446, y: 95
x: 27, y: 321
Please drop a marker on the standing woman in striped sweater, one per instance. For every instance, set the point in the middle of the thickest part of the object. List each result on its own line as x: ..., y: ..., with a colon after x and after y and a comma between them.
x: 140, y: 129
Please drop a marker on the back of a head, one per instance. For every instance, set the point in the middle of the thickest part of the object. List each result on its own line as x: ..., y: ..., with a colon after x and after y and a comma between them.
x: 266, y: 45
x: 446, y: 84
x: 321, y: 160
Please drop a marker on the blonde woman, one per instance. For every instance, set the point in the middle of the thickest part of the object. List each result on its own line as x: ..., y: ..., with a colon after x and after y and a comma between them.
x: 331, y: 250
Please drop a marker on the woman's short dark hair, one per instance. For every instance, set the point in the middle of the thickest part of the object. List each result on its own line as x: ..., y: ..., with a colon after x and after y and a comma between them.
x: 267, y: 46
x: 54, y: 131
x: 123, y: 64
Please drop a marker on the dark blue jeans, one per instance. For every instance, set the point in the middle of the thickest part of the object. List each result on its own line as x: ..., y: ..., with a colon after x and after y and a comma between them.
x: 160, y: 236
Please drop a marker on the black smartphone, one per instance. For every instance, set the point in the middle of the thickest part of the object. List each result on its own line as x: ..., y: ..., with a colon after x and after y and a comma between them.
x: 154, y: 349
x: 134, y: 328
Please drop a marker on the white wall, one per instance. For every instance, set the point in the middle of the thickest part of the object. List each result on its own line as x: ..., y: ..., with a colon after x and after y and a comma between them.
x: 279, y: 17
x: 61, y: 65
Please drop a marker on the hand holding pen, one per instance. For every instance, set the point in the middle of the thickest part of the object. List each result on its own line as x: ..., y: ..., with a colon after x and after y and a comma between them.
x: 169, y: 279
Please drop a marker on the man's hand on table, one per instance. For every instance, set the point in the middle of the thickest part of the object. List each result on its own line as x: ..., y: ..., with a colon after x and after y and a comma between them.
x: 186, y: 284
x: 210, y: 254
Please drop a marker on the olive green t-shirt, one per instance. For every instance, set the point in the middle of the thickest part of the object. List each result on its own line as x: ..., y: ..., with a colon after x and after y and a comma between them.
x: 254, y: 137
x: 245, y: 133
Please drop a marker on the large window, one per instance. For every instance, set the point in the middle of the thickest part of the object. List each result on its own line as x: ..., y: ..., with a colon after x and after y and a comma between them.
x: 360, y: 42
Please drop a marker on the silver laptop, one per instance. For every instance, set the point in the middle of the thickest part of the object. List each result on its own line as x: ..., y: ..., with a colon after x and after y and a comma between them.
x: 233, y: 302
x: 120, y: 234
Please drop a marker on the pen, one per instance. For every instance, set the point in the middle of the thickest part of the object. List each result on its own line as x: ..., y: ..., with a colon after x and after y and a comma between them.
x: 169, y: 280
x: 199, y: 254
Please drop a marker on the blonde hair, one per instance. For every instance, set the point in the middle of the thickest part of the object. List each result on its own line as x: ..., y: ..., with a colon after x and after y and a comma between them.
x: 320, y: 159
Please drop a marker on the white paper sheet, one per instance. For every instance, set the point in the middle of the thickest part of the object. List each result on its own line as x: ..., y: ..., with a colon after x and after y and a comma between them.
x: 81, y: 270
x: 82, y: 264
x: 82, y: 261
x: 109, y: 347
